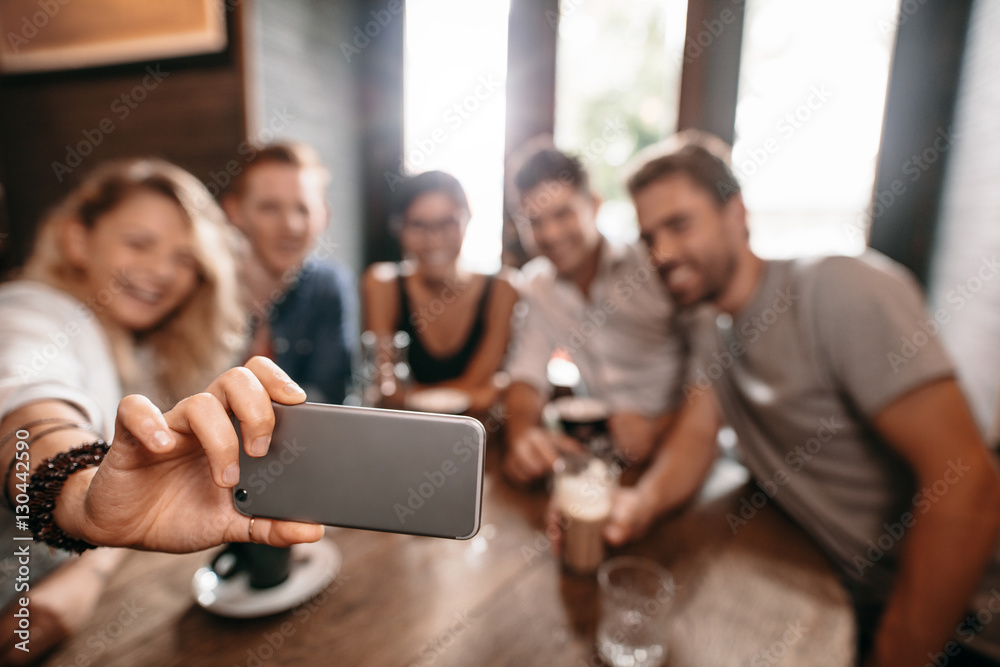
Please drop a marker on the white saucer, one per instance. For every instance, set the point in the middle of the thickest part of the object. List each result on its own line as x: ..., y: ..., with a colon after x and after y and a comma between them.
x: 313, y: 567
x: 442, y: 400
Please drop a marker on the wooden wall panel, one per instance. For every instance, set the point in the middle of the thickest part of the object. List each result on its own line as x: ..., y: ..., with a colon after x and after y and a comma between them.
x: 190, y: 111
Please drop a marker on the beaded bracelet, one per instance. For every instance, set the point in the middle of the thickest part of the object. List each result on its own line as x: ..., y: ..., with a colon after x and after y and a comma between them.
x: 64, y: 426
x: 45, y: 486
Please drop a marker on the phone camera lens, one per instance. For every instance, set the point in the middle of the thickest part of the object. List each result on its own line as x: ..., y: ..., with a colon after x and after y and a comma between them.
x: 241, y: 495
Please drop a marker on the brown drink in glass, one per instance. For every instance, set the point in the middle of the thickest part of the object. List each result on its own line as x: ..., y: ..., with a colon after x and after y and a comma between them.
x: 585, y: 419
x: 582, y: 494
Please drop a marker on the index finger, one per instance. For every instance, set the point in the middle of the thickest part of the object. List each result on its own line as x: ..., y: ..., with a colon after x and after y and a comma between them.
x: 275, y: 381
x: 247, y: 393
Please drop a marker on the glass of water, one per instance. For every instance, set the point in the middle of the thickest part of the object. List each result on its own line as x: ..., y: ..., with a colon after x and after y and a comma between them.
x: 385, y: 370
x: 636, y: 595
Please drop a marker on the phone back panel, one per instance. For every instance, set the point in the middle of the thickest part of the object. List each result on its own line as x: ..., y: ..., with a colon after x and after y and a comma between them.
x: 388, y: 470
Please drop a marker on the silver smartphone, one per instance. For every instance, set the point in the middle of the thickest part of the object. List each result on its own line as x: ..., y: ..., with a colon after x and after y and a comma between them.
x: 387, y: 470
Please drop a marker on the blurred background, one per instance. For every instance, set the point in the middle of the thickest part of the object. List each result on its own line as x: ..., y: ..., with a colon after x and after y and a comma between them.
x: 857, y: 123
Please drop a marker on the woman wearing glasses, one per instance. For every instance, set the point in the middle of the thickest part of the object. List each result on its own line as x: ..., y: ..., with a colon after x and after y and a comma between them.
x: 458, y: 321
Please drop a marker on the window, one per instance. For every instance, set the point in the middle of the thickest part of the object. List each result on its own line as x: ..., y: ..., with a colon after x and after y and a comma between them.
x: 808, y: 121
x: 455, y: 77
x: 617, y: 89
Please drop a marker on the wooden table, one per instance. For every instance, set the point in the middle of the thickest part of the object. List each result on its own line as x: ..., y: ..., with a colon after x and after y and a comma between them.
x: 761, y: 596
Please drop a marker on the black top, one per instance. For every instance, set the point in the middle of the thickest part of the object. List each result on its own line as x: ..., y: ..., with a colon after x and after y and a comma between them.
x: 426, y: 368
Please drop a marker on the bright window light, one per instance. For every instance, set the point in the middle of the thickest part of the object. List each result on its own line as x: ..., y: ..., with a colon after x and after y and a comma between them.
x: 455, y: 90
x: 617, y: 90
x: 808, y: 121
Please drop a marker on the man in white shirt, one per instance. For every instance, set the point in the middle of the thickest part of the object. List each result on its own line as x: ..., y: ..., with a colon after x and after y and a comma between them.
x: 600, y: 303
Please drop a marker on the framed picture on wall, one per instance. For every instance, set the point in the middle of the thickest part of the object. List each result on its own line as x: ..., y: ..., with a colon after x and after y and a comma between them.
x: 71, y: 34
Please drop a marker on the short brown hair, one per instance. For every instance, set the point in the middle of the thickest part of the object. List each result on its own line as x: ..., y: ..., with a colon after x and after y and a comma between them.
x: 703, y: 157
x: 550, y: 164
x: 292, y: 153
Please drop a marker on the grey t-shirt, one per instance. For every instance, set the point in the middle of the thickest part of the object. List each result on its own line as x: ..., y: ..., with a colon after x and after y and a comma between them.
x: 823, y: 346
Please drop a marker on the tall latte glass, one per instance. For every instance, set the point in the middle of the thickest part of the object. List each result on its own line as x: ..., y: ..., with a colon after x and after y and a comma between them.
x: 582, y: 494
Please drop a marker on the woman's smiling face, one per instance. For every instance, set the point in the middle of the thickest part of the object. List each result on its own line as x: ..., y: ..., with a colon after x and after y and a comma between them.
x: 138, y: 260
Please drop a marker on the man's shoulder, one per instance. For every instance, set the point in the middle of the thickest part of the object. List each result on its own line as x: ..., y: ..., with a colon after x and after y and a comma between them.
x: 329, y: 274
x: 868, y: 274
x: 320, y: 282
x: 869, y: 292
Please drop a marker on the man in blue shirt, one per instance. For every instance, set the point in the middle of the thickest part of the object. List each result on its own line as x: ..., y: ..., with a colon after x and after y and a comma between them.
x: 303, y: 304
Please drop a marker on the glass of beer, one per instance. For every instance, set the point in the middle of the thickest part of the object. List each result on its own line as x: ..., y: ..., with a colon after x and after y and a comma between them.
x: 585, y: 419
x: 583, y: 487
